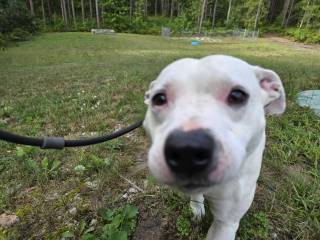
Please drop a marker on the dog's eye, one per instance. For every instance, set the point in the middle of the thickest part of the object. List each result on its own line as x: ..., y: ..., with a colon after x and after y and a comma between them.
x: 159, y: 99
x: 237, y: 97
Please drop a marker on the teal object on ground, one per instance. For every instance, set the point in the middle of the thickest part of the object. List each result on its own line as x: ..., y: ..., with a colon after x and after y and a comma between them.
x: 195, y: 43
x: 311, y: 99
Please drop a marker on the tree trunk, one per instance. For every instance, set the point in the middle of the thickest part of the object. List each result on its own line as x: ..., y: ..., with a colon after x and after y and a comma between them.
x: 162, y: 8
x: 73, y: 14
x: 202, y: 15
x: 229, y: 11
x: 55, y: 18
x: 172, y: 9
x: 258, y: 15
x: 289, y: 14
x: 304, y: 16
x: 214, y: 13
x: 178, y: 9
x: 165, y: 10
x: 43, y: 13
x: 156, y: 8
x: 309, y: 14
x: 31, y: 7
x: 82, y: 11
x: 90, y: 8
x: 102, y: 13
x: 205, y: 10
x: 199, y: 12
x: 97, y: 14
x: 49, y: 8
x: 69, y: 9
x: 64, y: 11
x: 274, y: 9
x: 285, y: 11
x: 131, y: 9
x: 145, y: 7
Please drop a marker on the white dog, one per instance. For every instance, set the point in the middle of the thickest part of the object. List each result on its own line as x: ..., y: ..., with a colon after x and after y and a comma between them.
x: 206, y: 119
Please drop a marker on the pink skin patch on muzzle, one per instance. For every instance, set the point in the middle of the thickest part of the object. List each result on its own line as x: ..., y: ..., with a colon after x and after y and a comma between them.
x: 217, y: 174
x: 191, y: 125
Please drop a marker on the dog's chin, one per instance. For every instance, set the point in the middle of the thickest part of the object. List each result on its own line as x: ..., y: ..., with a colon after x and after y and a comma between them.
x: 193, y: 187
x: 192, y: 184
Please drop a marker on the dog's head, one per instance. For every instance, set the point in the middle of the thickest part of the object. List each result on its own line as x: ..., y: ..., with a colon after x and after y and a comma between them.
x: 206, y: 116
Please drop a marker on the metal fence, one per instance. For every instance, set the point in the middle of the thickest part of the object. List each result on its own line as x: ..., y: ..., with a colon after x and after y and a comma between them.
x: 244, y: 33
x: 165, y: 32
x: 236, y: 33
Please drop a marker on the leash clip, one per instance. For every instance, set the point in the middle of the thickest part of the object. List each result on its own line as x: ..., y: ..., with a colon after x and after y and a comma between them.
x: 53, y: 143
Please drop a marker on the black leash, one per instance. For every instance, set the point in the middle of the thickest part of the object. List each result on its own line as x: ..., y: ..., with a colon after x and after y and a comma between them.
x: 60, y: 142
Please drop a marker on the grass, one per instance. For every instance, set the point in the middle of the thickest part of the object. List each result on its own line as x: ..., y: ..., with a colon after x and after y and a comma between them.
x: 74, y: 84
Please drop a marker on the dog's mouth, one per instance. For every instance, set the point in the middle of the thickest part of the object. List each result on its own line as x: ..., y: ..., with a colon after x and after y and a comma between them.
x: 192, y: 186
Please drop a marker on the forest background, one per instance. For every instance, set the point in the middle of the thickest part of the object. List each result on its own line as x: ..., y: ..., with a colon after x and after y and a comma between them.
x: 298, y: 19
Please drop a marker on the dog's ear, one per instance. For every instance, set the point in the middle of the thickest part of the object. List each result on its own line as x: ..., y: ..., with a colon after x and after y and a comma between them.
x: 272, y: 91
x: 147, y: 93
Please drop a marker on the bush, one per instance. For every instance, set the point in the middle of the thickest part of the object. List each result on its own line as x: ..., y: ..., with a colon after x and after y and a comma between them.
x: 15, y: 15
x: 303, y: 35
x: 19, y: 34
x: 87, y: 25
x: 2, y: 40
x: 271, y: 29
x: 59, y: 26
x: 181, y: 24
x: 16, y: 24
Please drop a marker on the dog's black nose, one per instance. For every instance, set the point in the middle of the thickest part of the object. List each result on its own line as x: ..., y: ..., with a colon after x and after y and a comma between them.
x: 189, y: 153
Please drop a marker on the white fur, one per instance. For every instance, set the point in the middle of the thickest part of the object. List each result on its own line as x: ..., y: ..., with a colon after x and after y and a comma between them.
x: 197, y: 206
x: 197, y: 90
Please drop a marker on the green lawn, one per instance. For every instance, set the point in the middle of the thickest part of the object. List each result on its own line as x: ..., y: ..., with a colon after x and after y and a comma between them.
x: 76, y: 84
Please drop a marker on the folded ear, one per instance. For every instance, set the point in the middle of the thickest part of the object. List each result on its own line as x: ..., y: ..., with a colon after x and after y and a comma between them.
x: 272, y: 91
x: 147, y: 93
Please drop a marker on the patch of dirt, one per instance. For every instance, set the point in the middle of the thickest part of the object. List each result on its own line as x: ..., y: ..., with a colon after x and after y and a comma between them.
x: 137, y: 168
x: 150, y: 226
x: 8, y: 220
x: 290, y: 43
x: 298, y: 172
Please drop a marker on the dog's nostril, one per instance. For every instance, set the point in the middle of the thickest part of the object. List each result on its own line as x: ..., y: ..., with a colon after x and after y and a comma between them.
x: 189, y: 152
x: 173, y: 163
x: 201, y: 155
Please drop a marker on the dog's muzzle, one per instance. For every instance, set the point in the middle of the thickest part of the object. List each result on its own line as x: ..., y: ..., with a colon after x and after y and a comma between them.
x: 190, y: 153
